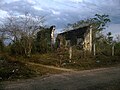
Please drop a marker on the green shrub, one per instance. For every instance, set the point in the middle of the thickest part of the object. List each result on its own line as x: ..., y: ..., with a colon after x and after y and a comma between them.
x: 10, y: 69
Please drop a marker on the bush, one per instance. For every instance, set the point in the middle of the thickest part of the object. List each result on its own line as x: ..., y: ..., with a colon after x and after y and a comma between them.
x: 10, y: 69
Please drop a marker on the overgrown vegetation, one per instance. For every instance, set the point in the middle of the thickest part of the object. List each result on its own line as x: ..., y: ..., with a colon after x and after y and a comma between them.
x: 16, y: 68
x: 79, y: 60
x: 30, y: 41
x: 10, y: 70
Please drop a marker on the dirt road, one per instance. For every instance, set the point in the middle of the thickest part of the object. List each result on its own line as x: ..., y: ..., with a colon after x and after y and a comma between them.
x: 97, y: 79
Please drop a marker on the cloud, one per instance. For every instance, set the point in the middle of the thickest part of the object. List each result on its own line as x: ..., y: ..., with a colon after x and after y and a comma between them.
x: 17, y: 6
x: 9, y: 1
x: 62, y: 12
x: 31, y: 1
x: 55, y: 12
x: 3, y: 14
x: 114, y: 28
x: 37, y: 8
x: 76, y: 1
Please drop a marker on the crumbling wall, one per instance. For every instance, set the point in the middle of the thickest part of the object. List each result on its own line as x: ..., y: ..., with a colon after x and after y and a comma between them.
x: 88, y: 40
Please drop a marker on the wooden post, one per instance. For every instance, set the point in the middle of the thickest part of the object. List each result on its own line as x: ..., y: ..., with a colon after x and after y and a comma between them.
x: 70, y: 53
x: 113, y: 50
x: 94, y: 49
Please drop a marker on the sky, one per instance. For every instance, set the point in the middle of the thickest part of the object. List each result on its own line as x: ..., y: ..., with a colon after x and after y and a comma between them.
x: 62, y: 12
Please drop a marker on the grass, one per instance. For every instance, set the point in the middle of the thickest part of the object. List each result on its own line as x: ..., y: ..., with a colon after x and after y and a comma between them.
x: 10, y: 70
x: 13, y: 69
x: 77, y: 63
x: 80, y: 63
x: 40, y: 70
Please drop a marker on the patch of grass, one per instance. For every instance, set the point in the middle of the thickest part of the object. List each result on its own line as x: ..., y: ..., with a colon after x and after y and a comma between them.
x: 46, y: 59
x: 78, y: 63
x: 10, y: 70
x: 44, y: 70
x: 102, y: 60
x: 14, y: 67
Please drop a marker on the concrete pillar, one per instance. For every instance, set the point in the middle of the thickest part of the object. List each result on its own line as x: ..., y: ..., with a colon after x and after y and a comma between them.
x: 90, y: 39
x: 52, y: 28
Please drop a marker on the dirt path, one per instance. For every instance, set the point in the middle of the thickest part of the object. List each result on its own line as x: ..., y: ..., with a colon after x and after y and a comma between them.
x: 97, y: 79
x: 52, y: 67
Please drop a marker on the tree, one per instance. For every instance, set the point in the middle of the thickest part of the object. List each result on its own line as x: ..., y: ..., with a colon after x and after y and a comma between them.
x: 109, y: 37
x: 117, y: 45
x: 100, y: 21
x: 22, y: 30
x: 98, y: 24
x: 1, y: 42
x: 43, y: 40
x: 1, y: 45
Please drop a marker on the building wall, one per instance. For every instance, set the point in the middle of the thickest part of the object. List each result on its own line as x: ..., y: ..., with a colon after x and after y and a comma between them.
x: 83, y: 39
x: 88, y: 40
x: 52, y: 35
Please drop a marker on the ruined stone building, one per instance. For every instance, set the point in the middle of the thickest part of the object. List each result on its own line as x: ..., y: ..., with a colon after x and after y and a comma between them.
x: 45, y: 39
x: 81, y: 37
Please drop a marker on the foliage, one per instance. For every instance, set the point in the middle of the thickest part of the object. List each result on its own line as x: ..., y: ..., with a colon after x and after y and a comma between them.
x: 1, y: 45
x: 104, y: 43
x: 100, y: 21
x: 117, y: 49
x: 43, y: 40
x: 10, y: 69
x: 78, y: 61
x: 30, y: 39
x: 98, y: 24
x: 15, y: 67
x: 21, y: 31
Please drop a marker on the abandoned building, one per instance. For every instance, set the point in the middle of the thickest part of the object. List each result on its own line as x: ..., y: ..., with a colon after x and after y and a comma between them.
x: 81, y: 36
x: 45, y: 38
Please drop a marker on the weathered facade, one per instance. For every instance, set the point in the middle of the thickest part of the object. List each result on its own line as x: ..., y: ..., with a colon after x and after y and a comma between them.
x: 52, y: 35
x: 45, y: 39
x: 81, y: 37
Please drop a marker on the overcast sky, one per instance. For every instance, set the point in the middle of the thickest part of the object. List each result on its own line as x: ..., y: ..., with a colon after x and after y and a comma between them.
x: 62, y: 12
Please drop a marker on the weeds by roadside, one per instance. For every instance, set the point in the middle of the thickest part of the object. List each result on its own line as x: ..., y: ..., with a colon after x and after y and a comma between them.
x: 15, y: 67
x: 10, y: 70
